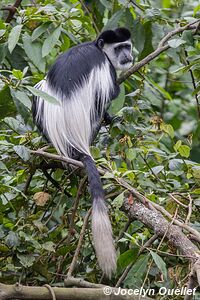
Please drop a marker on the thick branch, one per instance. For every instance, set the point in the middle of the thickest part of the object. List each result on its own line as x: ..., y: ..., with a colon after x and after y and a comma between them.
x: 80, y: 282
x: 161, y: 226
x: 8, y: 292
x: 161, y: 48
x: 57, y: 157
x: 126, y: 185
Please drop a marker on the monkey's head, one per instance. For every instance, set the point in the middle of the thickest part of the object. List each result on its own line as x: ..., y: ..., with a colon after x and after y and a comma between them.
x: 116, y: 44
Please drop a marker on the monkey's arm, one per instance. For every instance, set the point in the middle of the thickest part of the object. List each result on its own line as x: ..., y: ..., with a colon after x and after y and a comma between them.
x: 107, y: 118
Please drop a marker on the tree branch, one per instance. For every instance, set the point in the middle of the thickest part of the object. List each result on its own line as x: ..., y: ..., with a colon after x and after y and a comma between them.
x: 80, y: 241
x: 12, y: 10
x: 151, y: 205
x: 80, y: 282
x: 161, y: 226
x: 10, y: 292
x: 161, y: 48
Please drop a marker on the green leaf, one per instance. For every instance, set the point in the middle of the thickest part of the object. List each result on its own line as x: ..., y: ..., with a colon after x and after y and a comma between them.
x: 175, y: 43
x: 12, y: 123
x: 66, y: 43
x: 39, y: 31
x: 196, y: 9
x: 168, y: 129
x: 196, y: 192
x: 23, y: 98
x: 49, y: 246
x: 118, y: 201
x: 34, y: 52
x: 166, y: 3
x: 148, y: 47
x: 3, y: 51
x: 156, y: 170
x: 51, y: 41
x: 95, y: 151
x: 26, y: 260
x: 12, y: 239
x: 161, y: 90
x: 137, y: 272
x: 127, y: 257
x: 114, y: 20
x: 107, y: 4
x: 139, y: 35
x: 18, y: 74
x: 160, y: 263
x: 188, y: 37
x: 14, y: 37
x: 7, y: 108
x: 131, y: 154
x: 118, y: 103
x: 23, y: 152
x: 43, y: 95
x: 184, y: 151
x: 177, y: 145
x: 196, y: 172
x: 196, y: 91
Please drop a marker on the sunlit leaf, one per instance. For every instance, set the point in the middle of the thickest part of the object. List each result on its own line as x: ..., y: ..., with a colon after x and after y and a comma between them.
x: 43, y: 95
x: 51, y: 41
x: 14, y: 37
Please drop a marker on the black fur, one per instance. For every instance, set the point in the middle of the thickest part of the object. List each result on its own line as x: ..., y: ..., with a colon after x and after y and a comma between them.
x: 66, y: 76
x: 115, y: 36
x: 94, y: 179
x: 70, y: 69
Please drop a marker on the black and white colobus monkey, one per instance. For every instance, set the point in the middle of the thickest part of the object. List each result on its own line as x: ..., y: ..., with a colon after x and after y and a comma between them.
x: 83, y: 80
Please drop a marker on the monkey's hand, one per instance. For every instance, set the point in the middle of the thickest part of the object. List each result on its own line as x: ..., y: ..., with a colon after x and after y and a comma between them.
x: 110, y: 120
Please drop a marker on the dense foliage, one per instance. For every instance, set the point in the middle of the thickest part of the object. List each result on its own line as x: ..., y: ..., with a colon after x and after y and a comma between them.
x: 155, y: 145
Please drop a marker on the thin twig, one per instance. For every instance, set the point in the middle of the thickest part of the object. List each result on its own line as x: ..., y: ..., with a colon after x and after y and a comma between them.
x: 80, y: 241
x: 90, y: 15
x: 177, y: 201
x: 189, y: 210
x: 75, y: 207
x: 50, y: 289
x: 149, y: 242
x: 123, y: 183
x: 126, y: 271
x: 194, y: 84
x: 128, y: 223
x: 194, y: 278
x: 30, y: 176
x: 177, y: 30
x: 136, y: 5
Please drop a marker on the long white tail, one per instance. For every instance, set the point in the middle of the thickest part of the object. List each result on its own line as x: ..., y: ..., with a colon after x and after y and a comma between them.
x: 101, y: 226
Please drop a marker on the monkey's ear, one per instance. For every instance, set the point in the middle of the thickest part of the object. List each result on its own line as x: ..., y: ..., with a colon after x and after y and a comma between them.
x: 100, y: 43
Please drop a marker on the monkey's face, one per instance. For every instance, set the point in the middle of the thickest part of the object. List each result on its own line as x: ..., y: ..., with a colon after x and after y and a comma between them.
x: 120, y: 54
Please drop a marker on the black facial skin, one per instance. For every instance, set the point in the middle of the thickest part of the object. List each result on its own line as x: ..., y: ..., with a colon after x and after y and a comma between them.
x: 123, y: 53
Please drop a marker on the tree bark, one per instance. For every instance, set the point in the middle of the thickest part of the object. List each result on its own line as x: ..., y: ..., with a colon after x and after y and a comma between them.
x: 8, y: 292
x: 161, y: 227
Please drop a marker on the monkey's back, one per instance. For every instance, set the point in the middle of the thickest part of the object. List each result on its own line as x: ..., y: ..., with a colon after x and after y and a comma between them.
x: 84, y: 82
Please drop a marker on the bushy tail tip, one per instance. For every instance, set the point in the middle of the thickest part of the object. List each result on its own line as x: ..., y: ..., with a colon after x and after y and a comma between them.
x: 102, y: 236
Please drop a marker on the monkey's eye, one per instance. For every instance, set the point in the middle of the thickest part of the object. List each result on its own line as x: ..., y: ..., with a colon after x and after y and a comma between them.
x: 121, y: 47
